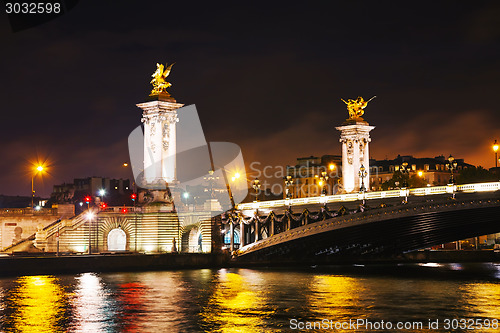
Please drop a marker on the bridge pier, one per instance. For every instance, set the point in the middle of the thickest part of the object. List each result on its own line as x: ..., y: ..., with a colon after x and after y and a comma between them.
x: 231, y: 230
x: 243, y: 237
x: 256, y: 238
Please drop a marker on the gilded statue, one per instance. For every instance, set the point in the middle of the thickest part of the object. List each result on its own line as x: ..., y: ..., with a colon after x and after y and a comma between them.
x: 355, y: 107
x: 158, y: 81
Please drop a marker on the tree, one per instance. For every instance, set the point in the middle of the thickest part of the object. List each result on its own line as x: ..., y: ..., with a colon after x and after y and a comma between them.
x: 475, y: 175
x: 398, y: 179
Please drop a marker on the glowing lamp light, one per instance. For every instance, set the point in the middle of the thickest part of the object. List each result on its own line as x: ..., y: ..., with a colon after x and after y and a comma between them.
x: 90, y: 216
x: 495, y: 146
x: 186, y: 195
x: 420, y: 173
x: 332, y: 166
x: 236, y: 176
x: 320, y: 183
x: 40, y: 168
x: 102, y: 192
x: 125, y: 164
x: 38, y: 208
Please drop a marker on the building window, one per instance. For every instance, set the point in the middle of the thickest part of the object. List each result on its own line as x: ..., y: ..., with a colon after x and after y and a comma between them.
x: 426, y: 167
x: 414, y: 167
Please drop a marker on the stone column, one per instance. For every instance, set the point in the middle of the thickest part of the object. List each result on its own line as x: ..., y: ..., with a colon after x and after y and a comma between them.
x: 231, y: 230
x: 256, y: 238
x: 242, y: 234
x: 355, y: 137
x: 160, y: 117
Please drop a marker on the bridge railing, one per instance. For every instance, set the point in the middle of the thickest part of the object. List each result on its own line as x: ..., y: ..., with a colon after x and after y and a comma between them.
x: 28, y: 211
x: 429, y: 190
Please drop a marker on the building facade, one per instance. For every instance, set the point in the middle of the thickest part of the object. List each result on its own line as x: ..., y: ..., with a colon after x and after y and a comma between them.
x: 432, y: 171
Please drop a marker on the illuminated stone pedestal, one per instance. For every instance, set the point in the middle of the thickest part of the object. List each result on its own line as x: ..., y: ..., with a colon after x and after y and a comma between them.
x: 355, y: 137
x: 160, y: 118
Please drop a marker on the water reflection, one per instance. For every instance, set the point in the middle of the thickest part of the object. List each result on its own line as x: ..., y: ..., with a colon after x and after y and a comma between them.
x: 235, y: 306
x: 94, y: 307
x: 335, y: 297
x: 36, y: 304
x: 245, y: 300
x: 131, y: 296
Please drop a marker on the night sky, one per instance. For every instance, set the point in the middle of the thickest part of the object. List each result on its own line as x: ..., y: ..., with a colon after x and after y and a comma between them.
x: 266, y: 77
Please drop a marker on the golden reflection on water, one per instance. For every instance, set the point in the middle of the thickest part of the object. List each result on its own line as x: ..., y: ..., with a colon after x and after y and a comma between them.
x: 39, y: 305
x: 234, y: 306
x: 335, y: 297
x: 483, y: 299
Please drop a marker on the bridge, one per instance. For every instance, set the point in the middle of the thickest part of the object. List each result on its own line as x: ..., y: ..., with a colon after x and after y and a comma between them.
x: 372, y: 223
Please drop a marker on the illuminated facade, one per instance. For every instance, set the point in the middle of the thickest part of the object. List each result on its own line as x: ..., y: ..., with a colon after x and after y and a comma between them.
x: 432, y: 171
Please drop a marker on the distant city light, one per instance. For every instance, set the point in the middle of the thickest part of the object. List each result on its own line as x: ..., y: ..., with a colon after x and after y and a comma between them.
x: 81, y: 204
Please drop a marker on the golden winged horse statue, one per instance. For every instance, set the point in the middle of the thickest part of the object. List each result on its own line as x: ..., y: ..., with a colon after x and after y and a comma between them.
x: 159, y: 83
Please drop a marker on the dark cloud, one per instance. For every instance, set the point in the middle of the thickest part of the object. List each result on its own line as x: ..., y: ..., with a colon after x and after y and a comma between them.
x: 268, y: 77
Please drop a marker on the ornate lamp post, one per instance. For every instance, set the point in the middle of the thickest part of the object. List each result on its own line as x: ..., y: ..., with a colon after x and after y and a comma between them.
x: 404, y: 185
x: 256, y: 186
x: 362, y: 174
x: 38, y: 169
x: 452, y: 165
x: 324, y: 179
x: 404, y: 172
x: 495, y: 149
x: 288, y: 183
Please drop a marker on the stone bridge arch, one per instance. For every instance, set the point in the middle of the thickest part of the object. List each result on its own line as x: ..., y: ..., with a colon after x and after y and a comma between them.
x: 108, y: 224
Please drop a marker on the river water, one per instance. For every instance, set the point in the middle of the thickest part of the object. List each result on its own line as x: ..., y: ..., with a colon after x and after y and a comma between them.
x: 257, y: 300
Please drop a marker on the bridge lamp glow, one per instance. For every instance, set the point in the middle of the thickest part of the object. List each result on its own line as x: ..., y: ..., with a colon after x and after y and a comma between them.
x: 40, y: 168
x: 331, y: 166
x: 236, y: 176
x: 420, y: 173
x: 320, y: 183
x: 102, y: 192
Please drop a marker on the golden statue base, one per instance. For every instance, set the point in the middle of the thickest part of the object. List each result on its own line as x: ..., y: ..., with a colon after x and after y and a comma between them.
x: 354, y: 121
x: 163, y: 96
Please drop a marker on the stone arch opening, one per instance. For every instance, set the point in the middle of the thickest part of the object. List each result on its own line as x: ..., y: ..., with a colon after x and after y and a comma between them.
x: 117, y: 240
x: 194, y: 240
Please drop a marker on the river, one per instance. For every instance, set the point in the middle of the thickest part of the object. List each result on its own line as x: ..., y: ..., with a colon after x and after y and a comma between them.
x: 442, y: 297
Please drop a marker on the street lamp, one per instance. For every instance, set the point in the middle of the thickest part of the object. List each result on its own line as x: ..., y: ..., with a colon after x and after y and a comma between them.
x: 90, y: 215
x: 256, y: 186
x: 288, y: 183
x: 38, y: 169
x: 495, y: 149
x: 452, y: 165
x: 362, y: 174
x: 404, y: 172
x: 323, y: 180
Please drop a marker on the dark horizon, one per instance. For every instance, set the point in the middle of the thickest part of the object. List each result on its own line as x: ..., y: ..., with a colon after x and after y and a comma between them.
x: 269, y: 78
